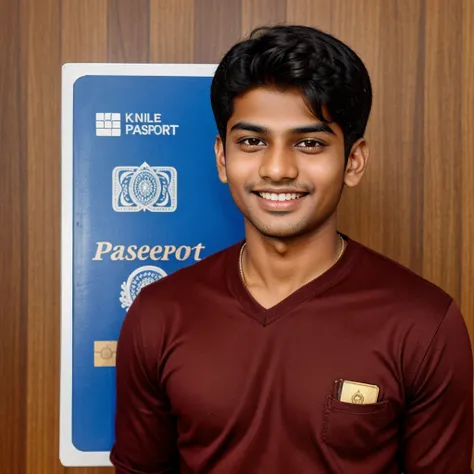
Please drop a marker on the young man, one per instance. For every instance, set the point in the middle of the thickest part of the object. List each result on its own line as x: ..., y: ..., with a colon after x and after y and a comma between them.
x: 298, y: 351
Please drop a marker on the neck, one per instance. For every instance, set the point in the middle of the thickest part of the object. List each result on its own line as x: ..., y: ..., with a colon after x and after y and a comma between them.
x: 281, y: 266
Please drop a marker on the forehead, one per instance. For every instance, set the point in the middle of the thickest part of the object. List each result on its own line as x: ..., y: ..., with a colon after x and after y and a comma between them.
x: 267, y: 106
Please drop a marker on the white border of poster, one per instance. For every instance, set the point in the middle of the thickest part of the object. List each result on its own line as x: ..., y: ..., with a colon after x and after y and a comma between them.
x: 69, y: 455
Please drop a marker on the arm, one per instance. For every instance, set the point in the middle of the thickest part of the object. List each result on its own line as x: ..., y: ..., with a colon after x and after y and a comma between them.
x: 145, y: 431
x: 438, y: 425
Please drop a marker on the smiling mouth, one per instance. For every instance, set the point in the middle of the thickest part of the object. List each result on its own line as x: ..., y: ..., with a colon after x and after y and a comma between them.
x: 281, y: 196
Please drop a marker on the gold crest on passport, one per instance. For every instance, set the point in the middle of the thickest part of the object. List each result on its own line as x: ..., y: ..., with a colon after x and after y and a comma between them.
x: 357, y: 393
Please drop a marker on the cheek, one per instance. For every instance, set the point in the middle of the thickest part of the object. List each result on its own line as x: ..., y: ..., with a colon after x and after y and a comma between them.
x: 326, y: 173
x: 240, y: 169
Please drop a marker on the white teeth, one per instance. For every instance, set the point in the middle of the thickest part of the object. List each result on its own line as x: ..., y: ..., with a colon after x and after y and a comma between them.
x: 280, y: 196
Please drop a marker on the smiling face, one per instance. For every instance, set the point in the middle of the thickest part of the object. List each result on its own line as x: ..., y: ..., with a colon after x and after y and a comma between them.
x: 285, y: 168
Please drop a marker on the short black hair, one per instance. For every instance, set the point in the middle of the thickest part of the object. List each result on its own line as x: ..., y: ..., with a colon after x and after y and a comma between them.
x: 330, y: 76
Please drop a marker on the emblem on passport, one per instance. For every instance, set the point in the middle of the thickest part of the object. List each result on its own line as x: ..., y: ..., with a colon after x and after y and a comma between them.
x: 144, y: 188
x: 356, y: 393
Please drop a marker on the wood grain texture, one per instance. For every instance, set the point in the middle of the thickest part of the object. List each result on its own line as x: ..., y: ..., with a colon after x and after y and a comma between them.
x: 172, y: 31
x: 442, y: 146
x: 401, y: 137
x: 218, y: 26
x: 41, y: 35
x: 262, y: 13
x: 467, y: 204
x: 416, y: 203
x: 12, y: 246
x: 416, y: 145
x: 128, y: 24
x: 315, y: 13
x: 362, y: 211
x: 84, y: 31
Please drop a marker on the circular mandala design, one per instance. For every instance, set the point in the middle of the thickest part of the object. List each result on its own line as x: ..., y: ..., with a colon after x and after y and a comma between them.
x: 146, y: 188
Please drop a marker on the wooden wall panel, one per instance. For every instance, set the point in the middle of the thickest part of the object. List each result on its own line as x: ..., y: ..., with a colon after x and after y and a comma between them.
x: 389, y: 192
x: 84, y: 31
x: 442, y: 146
x: 218, y: 26
x: 315, y: 13
x: 363, y: 206
x: 407, y: 95
x: 172, y: 31
x: 12, y: 246
x: 467, y: 202
x: 415, y: 203
x: 128, y: 31
x: 401, y: 135
x: 262, y: 13
x: 41, y: 34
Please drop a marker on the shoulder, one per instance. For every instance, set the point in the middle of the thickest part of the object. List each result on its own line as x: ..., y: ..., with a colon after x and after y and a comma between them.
x: 397, y: 283
x: 163, y: 300
x: 399, y: 300
x: 188, y: 282
x: 206, y: 271
x: 418, y: 317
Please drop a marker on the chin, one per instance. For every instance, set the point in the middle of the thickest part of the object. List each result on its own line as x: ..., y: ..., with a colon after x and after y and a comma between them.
x: 280, y: 232
x: 287, y: 227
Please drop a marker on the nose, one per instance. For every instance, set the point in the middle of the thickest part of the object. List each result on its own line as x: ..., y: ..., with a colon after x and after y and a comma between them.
x: 278, y: 164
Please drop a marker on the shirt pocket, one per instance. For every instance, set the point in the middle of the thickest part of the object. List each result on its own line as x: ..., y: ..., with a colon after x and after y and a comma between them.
x: 353, y: 430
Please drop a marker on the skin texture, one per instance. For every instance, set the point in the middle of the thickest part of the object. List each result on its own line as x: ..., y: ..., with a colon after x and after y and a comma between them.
x: 289, y: 243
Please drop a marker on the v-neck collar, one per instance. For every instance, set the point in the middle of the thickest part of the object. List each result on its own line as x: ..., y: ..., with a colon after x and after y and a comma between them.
x: 266, y: 316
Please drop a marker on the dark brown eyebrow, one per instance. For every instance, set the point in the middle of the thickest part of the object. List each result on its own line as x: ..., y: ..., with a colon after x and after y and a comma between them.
x: 316, y: 128
x: 249, y: 127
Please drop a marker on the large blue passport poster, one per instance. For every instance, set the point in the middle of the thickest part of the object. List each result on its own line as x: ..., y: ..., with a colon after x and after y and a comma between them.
x: 140, y: 199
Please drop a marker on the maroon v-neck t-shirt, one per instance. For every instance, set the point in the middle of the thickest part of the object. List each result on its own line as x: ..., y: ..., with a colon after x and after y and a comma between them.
x: 210, y: 382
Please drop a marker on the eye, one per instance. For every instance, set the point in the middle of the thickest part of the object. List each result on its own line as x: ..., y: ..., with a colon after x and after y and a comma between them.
x: 252, y: 142
x: 310, y: 143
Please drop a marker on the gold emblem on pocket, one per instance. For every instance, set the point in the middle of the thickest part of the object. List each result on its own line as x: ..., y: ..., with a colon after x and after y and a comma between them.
x: 358, y: 393
x: 357, y: 398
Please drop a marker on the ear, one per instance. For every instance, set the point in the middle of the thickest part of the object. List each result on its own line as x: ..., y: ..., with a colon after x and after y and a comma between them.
x: 220, y: 159
x: 356, y: 163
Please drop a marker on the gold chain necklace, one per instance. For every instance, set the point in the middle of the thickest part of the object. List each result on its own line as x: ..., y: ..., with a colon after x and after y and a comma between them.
x: 341, y: 250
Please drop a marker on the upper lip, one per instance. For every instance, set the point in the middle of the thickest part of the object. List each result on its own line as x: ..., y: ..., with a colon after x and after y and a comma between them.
x: 280, y: 191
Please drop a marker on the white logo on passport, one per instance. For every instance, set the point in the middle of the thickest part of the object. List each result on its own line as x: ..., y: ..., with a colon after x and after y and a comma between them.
x: 107, y: 124
x: 144, y: 188
x: 138, y: 279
